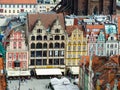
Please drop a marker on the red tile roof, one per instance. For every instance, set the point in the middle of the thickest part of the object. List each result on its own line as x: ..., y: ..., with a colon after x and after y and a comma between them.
x: 70, y: 29
x: 18, y: 1
x: 46, y: 19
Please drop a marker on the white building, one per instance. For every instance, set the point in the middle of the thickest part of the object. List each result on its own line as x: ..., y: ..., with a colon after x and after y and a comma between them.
x: 46, y: 5
x: 14, y: 7
x: 112, y: 45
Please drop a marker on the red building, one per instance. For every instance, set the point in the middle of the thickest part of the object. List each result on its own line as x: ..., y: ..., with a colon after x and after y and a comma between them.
x: 17, y: 52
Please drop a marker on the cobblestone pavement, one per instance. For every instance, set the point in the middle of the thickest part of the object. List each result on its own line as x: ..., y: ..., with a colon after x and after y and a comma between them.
x: 32, y: 84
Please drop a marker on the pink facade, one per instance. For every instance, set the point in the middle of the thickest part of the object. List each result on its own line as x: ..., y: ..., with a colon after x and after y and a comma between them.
x: 17, y: 52
x: 92, y: 43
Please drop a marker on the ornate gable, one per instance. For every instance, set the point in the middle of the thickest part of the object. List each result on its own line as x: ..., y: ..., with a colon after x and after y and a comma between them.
x: 101, y: 36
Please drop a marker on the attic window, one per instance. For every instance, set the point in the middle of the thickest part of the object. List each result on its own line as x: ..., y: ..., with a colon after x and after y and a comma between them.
x: 39, y: 31
x: 57, y: 31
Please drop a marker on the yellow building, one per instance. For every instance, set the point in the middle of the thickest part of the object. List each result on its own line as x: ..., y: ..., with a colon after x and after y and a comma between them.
x: 76, y: 46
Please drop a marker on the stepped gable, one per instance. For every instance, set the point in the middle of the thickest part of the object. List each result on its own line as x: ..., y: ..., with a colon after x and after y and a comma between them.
x: 47, y: 20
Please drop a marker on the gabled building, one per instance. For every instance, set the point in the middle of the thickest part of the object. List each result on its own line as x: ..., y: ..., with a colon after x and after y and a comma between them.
x: 92, y: 42
x: 101, y: 44
x: 76, y: 46
x: 46, y: 38
x: 17, y: 52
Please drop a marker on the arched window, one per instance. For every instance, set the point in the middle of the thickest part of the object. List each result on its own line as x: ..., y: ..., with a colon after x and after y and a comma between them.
x: 63, y: 38
x: 32, y: 37
x: 33, y: 46
x: 51, y: 45
x: 45, y: 45
x: 45, y: 37
x: 62, y: 45
x: 39, y: 45
x: 57, y: 37
x: 57, y: 45
x: 39, y: 37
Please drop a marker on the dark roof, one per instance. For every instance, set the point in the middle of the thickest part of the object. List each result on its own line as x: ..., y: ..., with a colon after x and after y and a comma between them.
x: 47, y: 19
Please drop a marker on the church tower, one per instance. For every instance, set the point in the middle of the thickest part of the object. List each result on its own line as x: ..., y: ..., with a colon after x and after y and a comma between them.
x: 93, y: 7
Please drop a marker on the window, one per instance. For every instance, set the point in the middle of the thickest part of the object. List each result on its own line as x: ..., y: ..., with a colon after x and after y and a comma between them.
x: 57, y: 45
x: 39, y: 31
x: 69, y: 47
x: 19, y: 45
x: 62, y: 37
x: 61, y: 61
x: 79, y: 48
x: 57, y: 37
x: 56, y: 53
x: 17, y: 63
x: 32, y: 37
x: 62, y: 45
x: 50, y: 53
x: 38, y: 61
x: 44, y: 53
x: 32, y: 53
x: 33, y: 46
x: 45, y: 37
x: 74, y: 48
x: 44, y: 61
x: 56, y: 61
x: 39, y: 37
x: 10, y: 56
x: 57, y: 31
x: 69, y: 55
x: 17, y: 11
x: 45, y: 45
x: 51, y: 45
x: 39, y: 45
x: 62, y: 53
x: 50, y: 61
x: 38, y: 53
x: 13, y: 11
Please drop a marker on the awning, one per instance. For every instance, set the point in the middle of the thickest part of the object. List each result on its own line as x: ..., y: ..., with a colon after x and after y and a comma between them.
x: 18, y: 73
x: 48, y: 72
x: 75, y: 70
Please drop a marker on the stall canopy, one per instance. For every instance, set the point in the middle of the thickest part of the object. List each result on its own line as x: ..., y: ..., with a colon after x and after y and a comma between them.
x: 75, y: 70
x: 48, y: 72
x: 18, y: 73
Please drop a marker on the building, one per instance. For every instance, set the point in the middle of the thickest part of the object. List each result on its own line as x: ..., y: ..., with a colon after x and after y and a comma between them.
x: 46, y: 5
x: 17, y: 52
x: 13, y: 7
x: 87, y: 7
x: 46, y: 38
x: 76, y: 46
x: 104, y: 76
x: 101, y: 44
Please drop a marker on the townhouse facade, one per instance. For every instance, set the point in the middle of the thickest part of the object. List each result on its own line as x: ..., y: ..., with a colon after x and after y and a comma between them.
x: 17, y: 52
x: 46, y: 41
x: 76, y: 46
x: 15, y: 7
